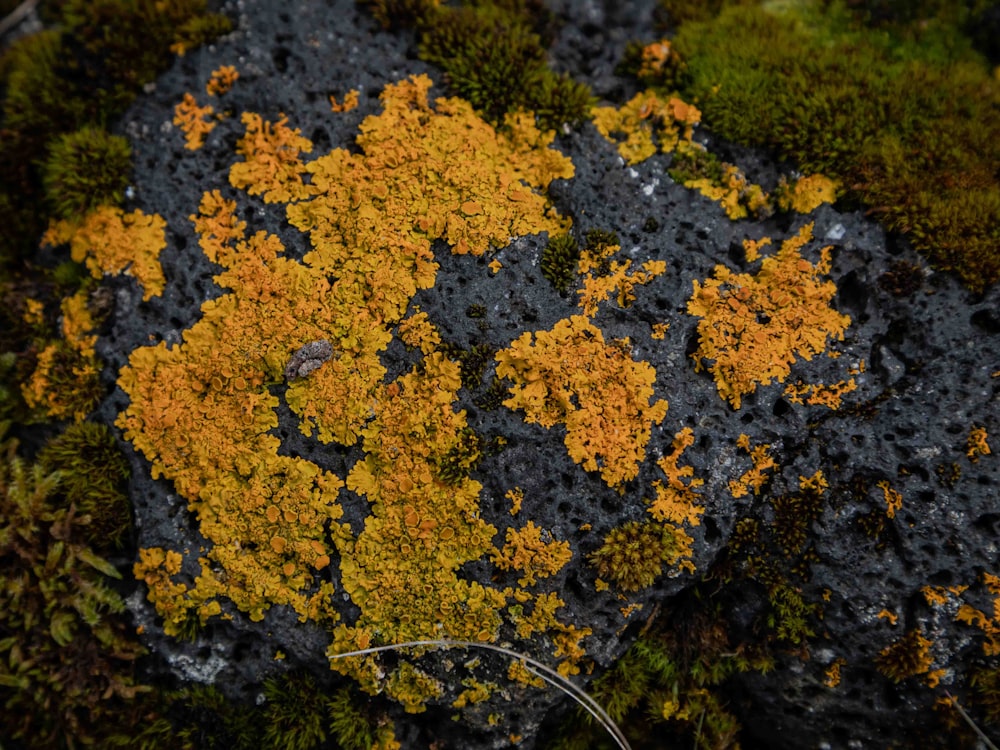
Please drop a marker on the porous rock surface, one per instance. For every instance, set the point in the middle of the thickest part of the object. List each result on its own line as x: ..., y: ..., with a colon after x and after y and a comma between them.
x: 930, y: 352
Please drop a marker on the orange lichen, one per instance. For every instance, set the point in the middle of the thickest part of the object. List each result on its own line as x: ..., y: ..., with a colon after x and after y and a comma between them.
x: 516, y: 497
x: 754, y: 327
x: 989, y: 624
x: 976, y: 444
x: 108, y: 240
x: 191, y: 119
x: 633, y: 126
x: 203, y: 413
x: 752, y: 248
x: 271, y: 167
x: 754, y: 478
x: 71, y: 361
x: 832, y: 674
x: 676, y: 500
x: 570, y: 375
x: 34, y: 312
x: 738, y: 197
x: 818, y: 394
x: 603, y: 277
x: 349, y: 102
x: 887, y: 615
x: 418, y: 332
x: 657, y: 57
x: 221, y: 80
x: 659, y: 331
x: 937, y: 596
x: 532, y: 551
x: 805, y: 194
x: 893, y: 499
x: 910, y: 656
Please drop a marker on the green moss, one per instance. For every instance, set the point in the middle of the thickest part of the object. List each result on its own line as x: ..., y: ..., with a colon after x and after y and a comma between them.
x: 92, y: 476
x: 82, y: 72
x: 295, y: 716
x: 559, y: 262
x: 85, y: 169
x: 633, y: 554
x: 66, y: 663
x: 350, y: 726
x: 494, y: 56
x: 907, y: 119
x: 664, y: 690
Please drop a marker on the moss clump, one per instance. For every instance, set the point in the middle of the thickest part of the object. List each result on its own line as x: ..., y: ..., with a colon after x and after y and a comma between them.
x: 633, y: 554
x: 905, y: 118
x: 908, y: 657
x: 667, y: 684
x: 80, y: 73
x: 84, y: 170
x: 559, y: 259
x: 92, y: 475
x: 494, y: 56
x: 66, y: 664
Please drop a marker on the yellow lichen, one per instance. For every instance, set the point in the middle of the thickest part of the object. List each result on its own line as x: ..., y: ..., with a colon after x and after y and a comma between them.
x: 64, y: 383
x: 676, y: 500
x: 221, y: 80
x: 203, y: 413
x: 633, y: 126
x: 738, y: 197
x: 602, y: 277
x: 754, y: 478
x: 893, y: 499
x: 418, y: 332
x: 659, y: 331
x: 754, y: 327
x: 570, y: 375
x: 108, y: 240
x: 191, y: 119
x: 976, y: 444
x: 271, y: 167
x: 805, y: 194
x: 412, y: 687
x: 349, y: 102
x: 532, y: 551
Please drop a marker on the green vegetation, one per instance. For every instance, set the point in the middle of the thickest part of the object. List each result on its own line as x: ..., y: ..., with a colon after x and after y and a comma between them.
x: 75, y: 77
x: 905, y: 115
x: 494, y: 56
x: 66, y: 662
x: 92, y: 475
x: 669, y: 685
x: 86, y: 169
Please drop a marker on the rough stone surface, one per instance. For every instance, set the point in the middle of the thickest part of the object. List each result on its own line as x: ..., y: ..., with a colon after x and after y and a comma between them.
x: 930, y: 356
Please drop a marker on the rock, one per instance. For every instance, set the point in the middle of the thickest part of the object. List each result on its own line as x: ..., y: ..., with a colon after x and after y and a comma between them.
x: 917, y: 373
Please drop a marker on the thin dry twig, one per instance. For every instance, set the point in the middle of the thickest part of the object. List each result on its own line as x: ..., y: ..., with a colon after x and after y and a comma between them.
x: 17, y: 15
x: 538, y: 669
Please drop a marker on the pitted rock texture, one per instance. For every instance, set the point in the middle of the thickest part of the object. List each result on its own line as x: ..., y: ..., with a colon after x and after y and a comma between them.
x: 930, y: 358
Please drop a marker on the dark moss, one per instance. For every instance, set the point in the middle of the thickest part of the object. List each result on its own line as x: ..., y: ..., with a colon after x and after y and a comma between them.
x: 905, y: 119
x: 85, y: 169
x: 494, y: 55
x: 559, y: 262
x: 92, y: 479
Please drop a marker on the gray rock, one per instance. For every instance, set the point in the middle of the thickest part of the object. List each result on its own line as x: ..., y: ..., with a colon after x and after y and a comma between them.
x: 932, y: 359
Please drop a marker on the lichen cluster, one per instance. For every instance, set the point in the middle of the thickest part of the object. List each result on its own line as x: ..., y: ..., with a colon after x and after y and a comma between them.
x: 569, y: 375
x: 754, y: 327
x: 203, y: 411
